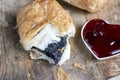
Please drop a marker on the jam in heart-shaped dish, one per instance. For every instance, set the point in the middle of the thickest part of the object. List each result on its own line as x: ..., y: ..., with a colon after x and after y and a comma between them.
x: 101, y: 38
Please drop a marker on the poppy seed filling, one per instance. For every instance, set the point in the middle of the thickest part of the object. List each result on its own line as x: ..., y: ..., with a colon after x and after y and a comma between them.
x: 54, y: 50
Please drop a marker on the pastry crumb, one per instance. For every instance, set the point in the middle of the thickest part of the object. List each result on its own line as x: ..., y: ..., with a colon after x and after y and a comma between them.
x: 62, y: 75
x: 79, y: 66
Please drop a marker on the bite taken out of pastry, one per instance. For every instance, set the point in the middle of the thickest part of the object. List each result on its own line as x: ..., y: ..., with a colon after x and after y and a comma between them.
x: 44, y: 28
x: 88, y: 5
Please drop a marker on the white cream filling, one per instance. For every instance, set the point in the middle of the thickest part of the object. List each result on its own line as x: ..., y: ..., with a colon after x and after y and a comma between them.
x: 50, y: 37
x: 66, y: 54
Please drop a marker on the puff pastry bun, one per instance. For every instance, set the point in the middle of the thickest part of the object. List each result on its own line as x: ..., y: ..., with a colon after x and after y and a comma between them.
x: 44, y: 28
x: 89, y: 5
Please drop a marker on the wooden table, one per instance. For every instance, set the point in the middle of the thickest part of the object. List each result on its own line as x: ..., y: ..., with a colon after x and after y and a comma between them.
x: 15, y: 63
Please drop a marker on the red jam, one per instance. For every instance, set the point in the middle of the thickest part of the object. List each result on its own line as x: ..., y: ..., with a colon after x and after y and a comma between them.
x: 102, y: 38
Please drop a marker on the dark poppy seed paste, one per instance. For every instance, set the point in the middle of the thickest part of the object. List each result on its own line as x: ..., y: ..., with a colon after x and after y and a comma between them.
x: 53, y: 49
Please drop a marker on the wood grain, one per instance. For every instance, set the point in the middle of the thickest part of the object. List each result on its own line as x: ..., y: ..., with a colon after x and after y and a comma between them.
x: 15, y: 63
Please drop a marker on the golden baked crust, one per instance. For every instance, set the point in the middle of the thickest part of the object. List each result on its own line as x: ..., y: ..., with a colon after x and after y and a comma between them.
x: 62, y: 75
x: 89, y: 5
x: 35, y: 15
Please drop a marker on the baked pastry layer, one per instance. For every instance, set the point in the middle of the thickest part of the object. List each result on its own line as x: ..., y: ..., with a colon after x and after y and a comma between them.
x: 42, y: 23
x: 89, y: 5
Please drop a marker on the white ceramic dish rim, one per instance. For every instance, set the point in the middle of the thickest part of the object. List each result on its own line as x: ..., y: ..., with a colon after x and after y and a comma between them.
x: 98, y: 58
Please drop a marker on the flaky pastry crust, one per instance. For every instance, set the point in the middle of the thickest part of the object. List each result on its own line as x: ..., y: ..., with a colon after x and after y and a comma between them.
x: 32, y: 18
x: 89, y: 5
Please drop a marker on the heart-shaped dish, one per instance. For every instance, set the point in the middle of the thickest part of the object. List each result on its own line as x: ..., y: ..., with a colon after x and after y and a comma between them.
x: 101, y: 38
